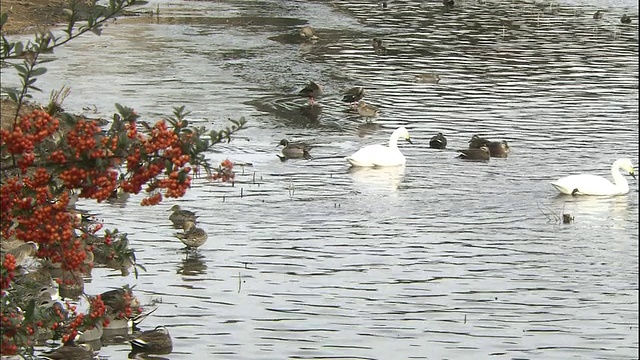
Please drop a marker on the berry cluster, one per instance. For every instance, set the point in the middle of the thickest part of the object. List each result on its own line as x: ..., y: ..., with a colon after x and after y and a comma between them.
x: 224, y: 172
x: 34, y: 203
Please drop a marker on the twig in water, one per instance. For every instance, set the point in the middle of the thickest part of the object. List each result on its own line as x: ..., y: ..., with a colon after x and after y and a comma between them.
x: 557, y: 218
x: 291, y: 188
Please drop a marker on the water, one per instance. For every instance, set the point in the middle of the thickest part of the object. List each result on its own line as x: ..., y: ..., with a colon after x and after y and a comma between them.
x: 441, y: 259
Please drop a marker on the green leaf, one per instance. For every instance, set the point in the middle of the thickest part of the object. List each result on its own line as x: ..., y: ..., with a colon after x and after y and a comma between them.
x: 141, y: 267
x: 20, y: 68
x: 3, y: 18
x: 18, y: 48
x: 28, y: 315
x: 35, y: 88
x: 42, y: 61
x: 38, y: 71
x: 97, y: 30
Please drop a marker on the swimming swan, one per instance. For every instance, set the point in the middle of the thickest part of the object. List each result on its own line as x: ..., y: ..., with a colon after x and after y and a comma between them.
x: 587, y: 184
x: 380, y: 155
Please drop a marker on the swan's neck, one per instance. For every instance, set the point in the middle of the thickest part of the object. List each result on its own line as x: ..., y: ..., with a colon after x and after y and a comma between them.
x: 393, y: 140
x: 619, y: 180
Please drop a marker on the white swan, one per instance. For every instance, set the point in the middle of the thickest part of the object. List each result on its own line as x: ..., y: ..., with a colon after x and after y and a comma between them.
x: 587, y: 184
x: 380, y: 155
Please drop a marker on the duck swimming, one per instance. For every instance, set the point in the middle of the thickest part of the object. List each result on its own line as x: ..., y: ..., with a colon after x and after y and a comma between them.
x: 294, y: 150
x: 438, y: 142
x: 312, y: 91
x: 353, y: 95
x: 482, y: 154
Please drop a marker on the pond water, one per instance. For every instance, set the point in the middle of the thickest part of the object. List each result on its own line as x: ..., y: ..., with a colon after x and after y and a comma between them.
x: 440, y: 259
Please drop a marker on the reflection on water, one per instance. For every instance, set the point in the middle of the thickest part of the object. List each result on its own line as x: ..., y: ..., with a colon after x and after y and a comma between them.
x: 368, y: 128
x: 591, y: 210
x: 439, y: 259
x: 377, y: 178
x: 193, y: 263
x: 311, y: 112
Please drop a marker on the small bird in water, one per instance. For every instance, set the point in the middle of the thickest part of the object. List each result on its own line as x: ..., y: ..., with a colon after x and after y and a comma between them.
x: 496, y: 148
x: 70, y: 352
x: 428, y: 78
x: 367, y: 111
x: 23, y: 252
x: 179, y: 216
x: 482, y: 154
x: 625, y: 19
x: 353, y: 95
x: 378, y: 47
x: 499, y: 148
x: 312, y: 91
x: 308, y: 33
x: 294, y: 150
x: 192, y: 236
x: 438, y: 142
x: 597, y: 15
x: 476, y: 142
x: 448, y: 4
x: 156, y: 341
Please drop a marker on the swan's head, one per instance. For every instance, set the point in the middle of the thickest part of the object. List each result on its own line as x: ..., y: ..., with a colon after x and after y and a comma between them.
x: 627, y: 165
x: 403, y: 133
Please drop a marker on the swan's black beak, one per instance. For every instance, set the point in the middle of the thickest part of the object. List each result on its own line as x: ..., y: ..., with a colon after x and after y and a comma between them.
x: 633, y: 174
x: 409, y: 140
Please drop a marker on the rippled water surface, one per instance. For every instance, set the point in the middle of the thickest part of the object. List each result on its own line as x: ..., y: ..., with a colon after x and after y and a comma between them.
x: 440, y: 259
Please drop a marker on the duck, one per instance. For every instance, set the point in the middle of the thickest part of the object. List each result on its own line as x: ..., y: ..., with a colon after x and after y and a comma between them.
x: 366, y: 111
x: 380, y: 155
x: 430, y: 78
x: 23, y: 251
x: 438, y: 141
x: 588, y: 184
x: 378, y: 46
x: 70, y: 352
x: 625, y: 19
x: 482, y: 154
x: 116, y: 300
x: 92, y: 334
x: 448, y: 4
x: 308, y: 33
x: 192, y: 236
x: 179, y: 216
x: 597, y: 15
x: 496, y: 148
x: 499, y: 148
x: 294, y: 150
x: 312, y: 91
x: 477, y: 142
x: 353, y: 95
x: 156, y: 341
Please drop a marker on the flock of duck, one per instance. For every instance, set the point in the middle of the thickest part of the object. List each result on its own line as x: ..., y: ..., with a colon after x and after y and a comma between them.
x: 193, y: 237
x: 144, y: 344
x: 480, y: 149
